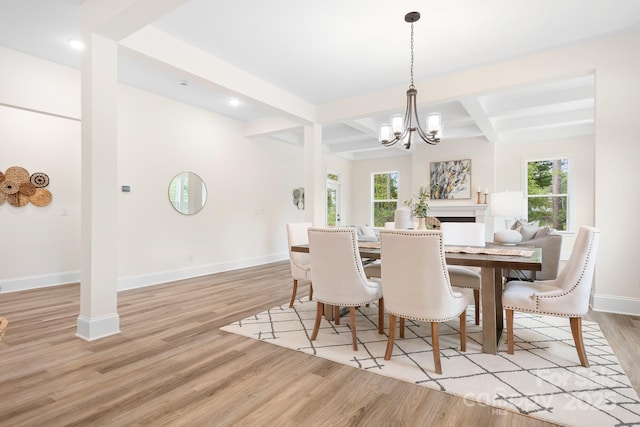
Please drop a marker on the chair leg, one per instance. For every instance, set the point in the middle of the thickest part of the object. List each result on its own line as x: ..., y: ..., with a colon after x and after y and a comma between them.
x: 435, y: 343
x: 463, y: 331
x: 310, y: 291
x: 293, y: 294
x: 316, y: 325
x: 401, y: 327
x: 336, y: 314
x: 510, y: 345
x: 352, y: 316
x: 576, y: 331
x: 476, y: 299
x: 392, y: 336
x: 381, y: 316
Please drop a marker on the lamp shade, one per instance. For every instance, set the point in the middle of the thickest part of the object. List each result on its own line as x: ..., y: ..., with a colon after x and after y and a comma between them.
x: 507, y: 204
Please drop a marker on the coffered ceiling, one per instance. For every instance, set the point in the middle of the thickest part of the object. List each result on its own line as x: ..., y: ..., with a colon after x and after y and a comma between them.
x: 326, y: 51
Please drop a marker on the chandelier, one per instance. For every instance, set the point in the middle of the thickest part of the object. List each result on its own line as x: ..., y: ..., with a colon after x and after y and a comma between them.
x: 402, y: 128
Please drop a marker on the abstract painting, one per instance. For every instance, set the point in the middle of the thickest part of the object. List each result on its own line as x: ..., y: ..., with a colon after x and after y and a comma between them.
x: 451, y: 179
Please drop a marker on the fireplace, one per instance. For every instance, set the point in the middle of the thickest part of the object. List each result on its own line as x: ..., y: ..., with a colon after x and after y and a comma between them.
x: 459, y: 213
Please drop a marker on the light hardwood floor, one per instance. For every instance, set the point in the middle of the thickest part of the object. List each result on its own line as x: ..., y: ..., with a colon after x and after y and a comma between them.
x: 172, y: 366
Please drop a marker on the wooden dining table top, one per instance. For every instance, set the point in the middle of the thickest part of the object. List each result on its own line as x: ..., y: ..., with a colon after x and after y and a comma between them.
x: 492, y: 255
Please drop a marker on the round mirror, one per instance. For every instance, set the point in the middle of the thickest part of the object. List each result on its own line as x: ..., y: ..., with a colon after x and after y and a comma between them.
x: 187, y: 193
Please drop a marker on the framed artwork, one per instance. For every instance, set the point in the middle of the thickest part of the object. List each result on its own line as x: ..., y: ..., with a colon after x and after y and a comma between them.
x: 451, y: 179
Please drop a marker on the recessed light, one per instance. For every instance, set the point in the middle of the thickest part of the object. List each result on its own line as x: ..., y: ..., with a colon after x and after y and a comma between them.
x: 234, y: 102
x: 76, y: 44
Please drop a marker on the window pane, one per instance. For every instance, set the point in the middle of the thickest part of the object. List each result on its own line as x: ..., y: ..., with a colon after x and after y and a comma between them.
x: 548, y: 176
x: 385, y: 186
x: 550, y: 211
x: 331, y: 206
x: 547, y: 186
x: 383, y: 212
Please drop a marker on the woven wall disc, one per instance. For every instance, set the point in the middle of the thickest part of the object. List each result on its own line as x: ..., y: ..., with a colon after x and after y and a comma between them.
x: 40, y: 179
x: 1, y: 177
x: 18, y: 200
x: 9, y: 187
x: 3, y: 197
x: 17, y: 174
x: 27, y: 189
x: 41, y: 198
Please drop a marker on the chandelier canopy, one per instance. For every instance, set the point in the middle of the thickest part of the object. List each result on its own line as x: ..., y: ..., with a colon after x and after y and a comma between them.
x: 402, y: 128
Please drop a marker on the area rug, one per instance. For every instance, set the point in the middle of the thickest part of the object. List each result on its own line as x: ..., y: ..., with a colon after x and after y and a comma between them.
x: 543, y: 379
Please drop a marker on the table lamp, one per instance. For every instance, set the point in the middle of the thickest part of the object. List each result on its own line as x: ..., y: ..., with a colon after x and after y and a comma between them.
x: 510, y: 205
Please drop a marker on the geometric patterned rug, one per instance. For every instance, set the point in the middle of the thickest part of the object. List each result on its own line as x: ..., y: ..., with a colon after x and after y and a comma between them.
x: 543, y: 379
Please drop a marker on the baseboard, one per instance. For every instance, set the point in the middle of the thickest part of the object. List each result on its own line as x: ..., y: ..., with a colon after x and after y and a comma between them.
x: 615, y: 304
x: 97, y: 327
x: 34, y: 282
x: 133, y: 282
x: 143, y: 280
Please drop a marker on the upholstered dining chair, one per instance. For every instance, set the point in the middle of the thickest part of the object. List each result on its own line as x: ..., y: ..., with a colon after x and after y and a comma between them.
x: 465, y: 234
x: 566, y: 296
x: 338, y: 276
x: 416, y: 285
x: 300, y: 264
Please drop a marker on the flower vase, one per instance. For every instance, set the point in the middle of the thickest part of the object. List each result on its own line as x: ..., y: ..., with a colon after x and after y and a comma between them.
x: 422, y: 223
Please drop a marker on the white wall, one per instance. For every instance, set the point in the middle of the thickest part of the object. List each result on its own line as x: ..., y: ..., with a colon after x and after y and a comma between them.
x: 40, y: 131
x: 249, y: 184
x: 249, y: 191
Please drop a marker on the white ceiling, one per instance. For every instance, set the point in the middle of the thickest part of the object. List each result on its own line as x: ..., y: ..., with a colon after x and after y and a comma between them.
x: 326, y: 51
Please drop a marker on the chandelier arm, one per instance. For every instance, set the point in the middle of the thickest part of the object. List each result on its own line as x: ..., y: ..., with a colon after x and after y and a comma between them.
x: 427, y: 137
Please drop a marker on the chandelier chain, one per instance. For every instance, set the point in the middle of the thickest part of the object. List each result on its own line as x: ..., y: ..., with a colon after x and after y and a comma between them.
x: 411, y: 85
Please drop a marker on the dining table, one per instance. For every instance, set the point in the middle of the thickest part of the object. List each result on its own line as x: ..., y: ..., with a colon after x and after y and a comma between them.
x: 492, y: 259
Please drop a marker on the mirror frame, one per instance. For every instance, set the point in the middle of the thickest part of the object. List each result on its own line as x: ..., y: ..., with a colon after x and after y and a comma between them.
x: 199, y: 198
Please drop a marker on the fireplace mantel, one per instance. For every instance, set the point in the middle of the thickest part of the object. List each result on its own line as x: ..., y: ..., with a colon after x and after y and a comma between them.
x: 477, y: 211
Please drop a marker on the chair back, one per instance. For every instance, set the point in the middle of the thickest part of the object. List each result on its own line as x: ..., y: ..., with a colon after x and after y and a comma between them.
x: 463, y: 233
x: 337, y: 271
x: 297, y: 235
x: 415, y: 281
x: 576, y: 277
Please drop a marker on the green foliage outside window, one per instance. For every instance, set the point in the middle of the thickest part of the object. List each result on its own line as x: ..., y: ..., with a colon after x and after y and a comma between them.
x: 385, y: 197
x: 547, y: 183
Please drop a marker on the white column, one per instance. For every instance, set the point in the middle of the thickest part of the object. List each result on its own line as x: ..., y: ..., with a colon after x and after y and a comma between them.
x: 314, y: 179
x: 98, y: 280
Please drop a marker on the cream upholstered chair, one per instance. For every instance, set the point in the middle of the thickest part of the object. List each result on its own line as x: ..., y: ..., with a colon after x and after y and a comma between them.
x: 415, y: 284
x: 300, y: 264
x: 566, y: 296
x: 338, y: 276
x: 465, y: 234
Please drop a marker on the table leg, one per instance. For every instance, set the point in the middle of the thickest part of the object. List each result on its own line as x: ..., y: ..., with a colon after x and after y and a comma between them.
x: 499, y: 312
x: 491, y: 294
x: 328, y: 312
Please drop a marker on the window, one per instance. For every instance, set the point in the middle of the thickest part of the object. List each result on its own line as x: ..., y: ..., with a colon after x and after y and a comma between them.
x: 333, y: 199
x: 547, y: 195
x: 385, y: 197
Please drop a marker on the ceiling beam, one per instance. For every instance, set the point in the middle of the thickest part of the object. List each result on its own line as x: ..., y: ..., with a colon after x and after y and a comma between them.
x: 163, y: 47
